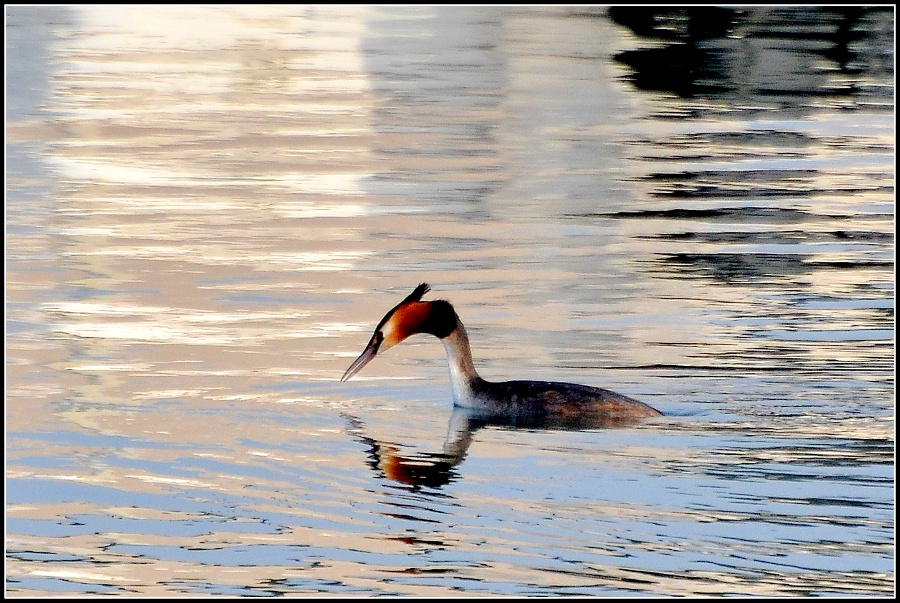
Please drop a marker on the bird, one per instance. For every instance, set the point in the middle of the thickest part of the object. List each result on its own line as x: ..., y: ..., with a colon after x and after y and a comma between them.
x: 521, y: 401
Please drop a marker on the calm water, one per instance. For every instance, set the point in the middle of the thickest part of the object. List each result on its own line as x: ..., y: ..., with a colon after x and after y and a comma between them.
x: 209, y: 209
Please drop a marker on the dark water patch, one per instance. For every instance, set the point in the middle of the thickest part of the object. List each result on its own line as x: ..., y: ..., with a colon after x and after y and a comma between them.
x: 780, y: 139
x: 748, y: 267
x: 831, y: 502
x: 755, y: 215
x: 701, y: 190
x: 744, y: 176
x: 744, y: 145
x: 766, y: 184
x: 684, y: 69
x: 791, y: 237
x: 707, y: 52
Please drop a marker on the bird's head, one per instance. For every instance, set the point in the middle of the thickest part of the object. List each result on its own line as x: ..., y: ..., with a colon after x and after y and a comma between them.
x: 410, y: 316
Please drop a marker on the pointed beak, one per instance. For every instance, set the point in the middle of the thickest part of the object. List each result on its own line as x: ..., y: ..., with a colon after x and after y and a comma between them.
x: 364, y: 358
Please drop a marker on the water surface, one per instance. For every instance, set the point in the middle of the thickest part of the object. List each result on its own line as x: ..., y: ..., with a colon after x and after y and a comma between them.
x: 209, y: 209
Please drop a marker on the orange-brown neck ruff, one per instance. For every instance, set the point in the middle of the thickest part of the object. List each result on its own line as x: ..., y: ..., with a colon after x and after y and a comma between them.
x: 406, y: 320
x: 432, y: 317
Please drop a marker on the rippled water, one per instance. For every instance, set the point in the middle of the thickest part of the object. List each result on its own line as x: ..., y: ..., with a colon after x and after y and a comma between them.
x: 209, y: 209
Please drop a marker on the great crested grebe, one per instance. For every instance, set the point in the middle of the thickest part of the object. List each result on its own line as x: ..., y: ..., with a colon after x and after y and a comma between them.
x: 527, y: 399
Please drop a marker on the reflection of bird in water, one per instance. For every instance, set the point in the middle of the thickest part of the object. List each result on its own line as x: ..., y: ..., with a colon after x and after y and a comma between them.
x: 432, y: 470
x: 436, y: 469
x: 564, y: 404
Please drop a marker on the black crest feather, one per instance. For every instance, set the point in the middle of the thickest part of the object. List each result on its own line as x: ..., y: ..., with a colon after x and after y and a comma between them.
x: 417, y: 293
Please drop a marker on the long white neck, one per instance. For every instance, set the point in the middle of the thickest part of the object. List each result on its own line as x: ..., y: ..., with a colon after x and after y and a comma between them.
x: 463, y: 377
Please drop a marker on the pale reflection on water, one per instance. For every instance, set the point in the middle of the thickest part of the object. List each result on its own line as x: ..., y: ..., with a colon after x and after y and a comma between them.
x: 208, y: 209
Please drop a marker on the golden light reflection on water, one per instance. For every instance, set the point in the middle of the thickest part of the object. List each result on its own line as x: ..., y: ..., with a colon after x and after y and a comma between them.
x: 240, y: 193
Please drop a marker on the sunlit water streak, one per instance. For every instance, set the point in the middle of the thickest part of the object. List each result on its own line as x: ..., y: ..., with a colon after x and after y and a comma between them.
x: 208, y: 210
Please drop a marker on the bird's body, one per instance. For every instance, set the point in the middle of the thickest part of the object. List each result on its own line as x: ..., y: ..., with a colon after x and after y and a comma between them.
x: 522, y: 400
